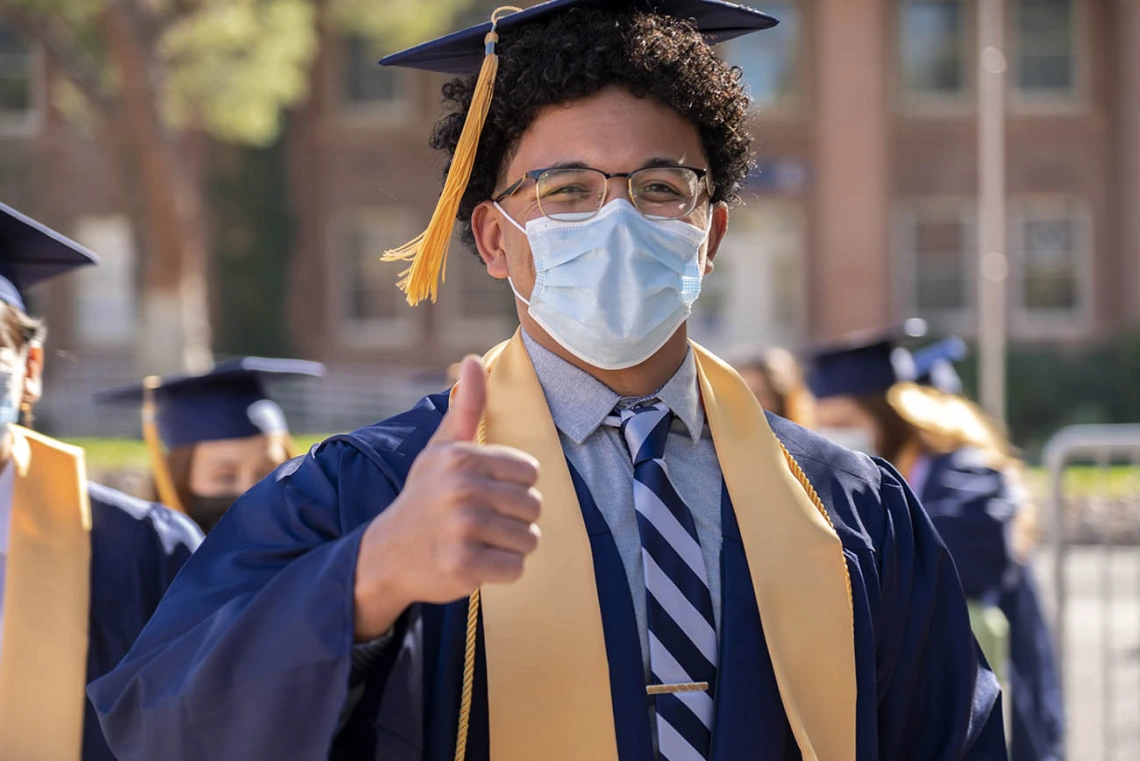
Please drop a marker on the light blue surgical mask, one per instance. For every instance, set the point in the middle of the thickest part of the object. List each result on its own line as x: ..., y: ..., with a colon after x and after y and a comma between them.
x: 613, y: 288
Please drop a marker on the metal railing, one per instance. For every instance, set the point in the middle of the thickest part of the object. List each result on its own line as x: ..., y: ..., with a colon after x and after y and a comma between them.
x: 1095, y: 541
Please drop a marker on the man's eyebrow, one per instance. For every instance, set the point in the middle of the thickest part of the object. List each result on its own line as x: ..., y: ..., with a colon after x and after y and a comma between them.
x: 570, y: 165
x: 660, y: 161
x: 656, y: 162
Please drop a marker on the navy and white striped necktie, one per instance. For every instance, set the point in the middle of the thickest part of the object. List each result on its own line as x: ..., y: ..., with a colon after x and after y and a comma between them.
x: 682, y: 629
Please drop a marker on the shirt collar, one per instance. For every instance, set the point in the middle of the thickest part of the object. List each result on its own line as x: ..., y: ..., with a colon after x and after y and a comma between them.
x: 579, y: 402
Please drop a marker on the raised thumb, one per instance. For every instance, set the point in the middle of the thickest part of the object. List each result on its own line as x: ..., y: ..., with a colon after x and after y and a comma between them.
x: 467, y: 402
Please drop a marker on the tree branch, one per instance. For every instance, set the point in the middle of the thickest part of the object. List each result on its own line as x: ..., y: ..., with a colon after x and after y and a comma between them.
x: 63, y: 49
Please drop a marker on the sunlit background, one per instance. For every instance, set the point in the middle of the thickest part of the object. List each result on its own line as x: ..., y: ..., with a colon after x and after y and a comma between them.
x: 240, y: 164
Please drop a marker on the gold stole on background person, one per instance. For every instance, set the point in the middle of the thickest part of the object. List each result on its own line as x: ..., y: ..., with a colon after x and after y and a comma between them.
x: 548, y: 686
x: 43, y: 665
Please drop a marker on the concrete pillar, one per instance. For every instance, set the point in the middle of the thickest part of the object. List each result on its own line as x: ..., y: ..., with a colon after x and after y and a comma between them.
x: 850, y: 275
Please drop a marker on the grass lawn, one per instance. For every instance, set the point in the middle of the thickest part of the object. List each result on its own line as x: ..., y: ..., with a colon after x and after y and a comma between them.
x: 111, y: 455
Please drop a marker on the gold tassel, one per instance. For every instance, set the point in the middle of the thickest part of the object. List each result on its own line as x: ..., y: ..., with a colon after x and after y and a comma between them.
x: 427, y: 252
x: 163, y: 483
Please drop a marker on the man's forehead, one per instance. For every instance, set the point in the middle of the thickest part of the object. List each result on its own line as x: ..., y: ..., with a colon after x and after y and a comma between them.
x: 612, y: 131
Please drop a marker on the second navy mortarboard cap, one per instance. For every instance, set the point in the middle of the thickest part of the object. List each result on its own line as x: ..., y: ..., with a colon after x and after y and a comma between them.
x: 934, y: 364
x: 864, y: 363
x: 462, y: 52
x: 229, y: 402
x: 31, y: 252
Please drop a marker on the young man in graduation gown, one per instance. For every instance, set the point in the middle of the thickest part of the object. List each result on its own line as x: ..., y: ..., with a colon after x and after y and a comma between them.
x: 597, y: 546
x: 82, y: 566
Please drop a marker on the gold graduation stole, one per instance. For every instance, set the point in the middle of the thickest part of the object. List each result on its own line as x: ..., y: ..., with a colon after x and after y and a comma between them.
x: 43, y: 665
x: 548, y: 684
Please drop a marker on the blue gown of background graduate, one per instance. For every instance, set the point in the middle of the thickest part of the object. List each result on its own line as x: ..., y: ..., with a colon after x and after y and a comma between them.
x: 250, y: 655
x: 973, y: 509
x: 137, y: 548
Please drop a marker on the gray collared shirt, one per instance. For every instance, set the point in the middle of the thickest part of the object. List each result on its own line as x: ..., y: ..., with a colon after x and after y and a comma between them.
x: 579, y: 404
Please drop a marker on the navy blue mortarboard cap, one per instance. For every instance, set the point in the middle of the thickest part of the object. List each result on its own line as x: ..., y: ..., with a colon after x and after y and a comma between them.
x: 229, y: 402
x: 934, y: 364
x: 462, y: 52
x: 864, y: 363
x: 31, y: 252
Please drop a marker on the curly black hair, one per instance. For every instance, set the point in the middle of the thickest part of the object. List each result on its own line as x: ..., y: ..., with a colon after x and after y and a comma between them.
x: 582, y: 52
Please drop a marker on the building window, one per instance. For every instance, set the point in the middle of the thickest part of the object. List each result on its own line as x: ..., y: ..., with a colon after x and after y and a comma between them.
x: 369, y: 308
x: 757, y: 294
x: 105, y: 296
x: 368, y: 89
x: 19, y: 73
x: 933, y: 49
x: 1052, y: 254
x: 479, y: 310
x: 1045, y: 41
x: 770, y: 62
x: 936, y: 246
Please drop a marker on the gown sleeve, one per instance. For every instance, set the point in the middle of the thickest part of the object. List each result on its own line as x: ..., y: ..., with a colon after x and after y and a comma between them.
x: 972, y: 506
x: 937, y: 697
x: 248, y: 656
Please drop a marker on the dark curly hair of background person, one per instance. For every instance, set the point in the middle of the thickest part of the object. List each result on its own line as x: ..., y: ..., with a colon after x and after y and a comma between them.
x: 581, y: 52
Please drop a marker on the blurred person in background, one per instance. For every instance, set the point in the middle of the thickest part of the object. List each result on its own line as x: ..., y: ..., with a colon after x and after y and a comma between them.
x: 82, y: 566
x: 908, y: 409
x: 220, y: 431
x: 547, y: 562
x: 777, y: 380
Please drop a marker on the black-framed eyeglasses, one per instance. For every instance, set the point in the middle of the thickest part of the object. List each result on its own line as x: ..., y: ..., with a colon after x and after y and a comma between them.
x: 575, y: 194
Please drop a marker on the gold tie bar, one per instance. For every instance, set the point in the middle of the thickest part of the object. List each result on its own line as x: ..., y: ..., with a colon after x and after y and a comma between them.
x: 668, y: 689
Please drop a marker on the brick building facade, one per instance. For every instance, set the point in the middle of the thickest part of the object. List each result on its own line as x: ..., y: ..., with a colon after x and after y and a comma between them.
x: 863, y: 208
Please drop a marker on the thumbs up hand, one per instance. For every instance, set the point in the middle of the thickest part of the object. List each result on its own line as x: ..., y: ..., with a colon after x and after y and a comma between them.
x: 466, y: 516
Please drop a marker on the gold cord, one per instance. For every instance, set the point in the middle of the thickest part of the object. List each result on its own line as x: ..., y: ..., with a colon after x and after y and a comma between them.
x: 469, y: 648
x: 814, y: 497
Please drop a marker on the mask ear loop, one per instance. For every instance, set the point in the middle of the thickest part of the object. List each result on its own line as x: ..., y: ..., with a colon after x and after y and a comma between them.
x: 522, y: 230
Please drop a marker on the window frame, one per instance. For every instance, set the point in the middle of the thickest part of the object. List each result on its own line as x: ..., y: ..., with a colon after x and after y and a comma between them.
x: 396, y: 112
x: 791, y: 104
x: 1030, y: 102
x: 906, y: 216
x: 87, y: 278
x: 400, y: 332
x: 763, y: 232
x: 456, y: 329
x: 1030, y: 323
x: 31, y: 122
x: 919, y: 103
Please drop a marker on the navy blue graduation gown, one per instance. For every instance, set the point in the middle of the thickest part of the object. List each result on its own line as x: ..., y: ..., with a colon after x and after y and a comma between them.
x: 973, y: 509
x: 249, y: 655
x: 136, y: 549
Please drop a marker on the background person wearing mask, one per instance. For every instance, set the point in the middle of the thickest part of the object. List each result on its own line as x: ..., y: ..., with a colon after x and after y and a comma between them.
x: 908, y: 409
x: 221, y: 432
x: 82, y: 566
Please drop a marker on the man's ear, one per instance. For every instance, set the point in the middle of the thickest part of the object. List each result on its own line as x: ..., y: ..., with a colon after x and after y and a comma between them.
x: 487, y: 224
x: 716, y: 234
x: 33, y: 376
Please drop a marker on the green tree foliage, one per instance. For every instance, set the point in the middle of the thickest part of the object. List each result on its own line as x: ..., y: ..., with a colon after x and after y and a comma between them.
x: 1050, y: 387
x: 226, y: 66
